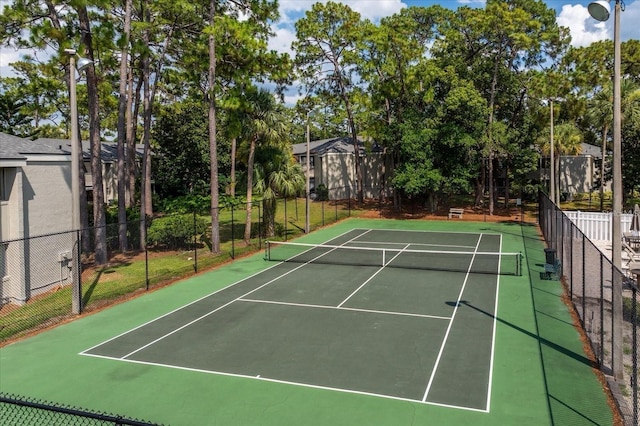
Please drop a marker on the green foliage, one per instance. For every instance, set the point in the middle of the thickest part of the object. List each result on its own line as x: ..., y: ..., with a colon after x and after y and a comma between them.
x: 322, y: 192
x: 182, y: 154
x: 111, y: 214
x: 175, y: 231
x: 186, y: 204
x: 627, y: 310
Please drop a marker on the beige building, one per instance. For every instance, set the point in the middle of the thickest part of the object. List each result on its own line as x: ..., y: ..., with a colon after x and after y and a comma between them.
x: 578, y: 174
x: 332, y: 164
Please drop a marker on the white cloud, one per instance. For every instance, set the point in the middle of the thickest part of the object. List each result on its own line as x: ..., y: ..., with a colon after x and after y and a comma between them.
x: 282, y: 40
x: 7, y: 56
x: 369, y: 9
x: 586, y: 30
x: 629, y: 21
x: 583, y: 28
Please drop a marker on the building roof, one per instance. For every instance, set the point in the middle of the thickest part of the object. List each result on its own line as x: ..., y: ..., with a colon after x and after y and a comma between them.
x: 108, y: 151
x: 16, y: 148
x: 341, y: 145
x: 592, y: 150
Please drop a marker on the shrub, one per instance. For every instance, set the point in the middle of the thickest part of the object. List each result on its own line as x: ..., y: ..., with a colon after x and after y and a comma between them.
x: 322, y: 193
x: 627, y: 310
x: 175, y: 231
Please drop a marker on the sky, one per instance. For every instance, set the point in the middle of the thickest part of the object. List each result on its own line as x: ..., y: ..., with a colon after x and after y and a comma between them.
x: 570, y: 13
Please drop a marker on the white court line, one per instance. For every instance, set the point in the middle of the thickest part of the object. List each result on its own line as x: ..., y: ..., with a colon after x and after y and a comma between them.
x: 493, y: 339
x: 338, y: 308
x: 200, y: 299
x: 230, y: 302
x: 446, y: 335
x: 413, y: 244
x: 372, y: 276
x: 427, y: 231
x: 285, y: 382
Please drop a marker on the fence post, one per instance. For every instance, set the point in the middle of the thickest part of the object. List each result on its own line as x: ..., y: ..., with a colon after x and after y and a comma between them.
x: 76, y: 291
x: 584, y: 281
x: 146, y: 266
x: 233, y: 243
x: 259, y: 227
x: 285, y: 217
x: 634, y: 355
x: 195, y: 244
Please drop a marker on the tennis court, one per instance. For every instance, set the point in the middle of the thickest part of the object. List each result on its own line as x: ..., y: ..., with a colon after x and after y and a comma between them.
x: 362, y: 319
x: 366, y: 322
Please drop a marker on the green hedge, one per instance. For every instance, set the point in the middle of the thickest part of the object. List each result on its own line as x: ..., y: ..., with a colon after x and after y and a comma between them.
x: 175, y: 231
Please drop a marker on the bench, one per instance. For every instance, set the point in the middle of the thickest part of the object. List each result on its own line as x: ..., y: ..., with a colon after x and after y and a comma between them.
x: 553, y: 270
x: 454, y: 211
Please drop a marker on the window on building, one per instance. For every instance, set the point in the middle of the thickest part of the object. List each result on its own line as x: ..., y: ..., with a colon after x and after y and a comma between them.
x: 303, y: 161
x: 4, y: 184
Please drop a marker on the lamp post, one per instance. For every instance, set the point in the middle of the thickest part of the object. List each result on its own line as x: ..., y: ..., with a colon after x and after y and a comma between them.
x: 600, y: 11
x: 307, y: 201
x: 75, y: 171
x: 83, y: 63
x: 552, y: 168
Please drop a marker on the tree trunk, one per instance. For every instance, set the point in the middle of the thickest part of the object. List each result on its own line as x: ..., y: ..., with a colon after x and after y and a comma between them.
x: 247, y: 226
x: 122, y: 131
x: 605, y: 130
x: 213, y: 143
x: 269, y: 215
x: 99, y: 219
x: 506, y: 187
x: 232, y: 186
x: 145, y: 212
x: 131, y: 118
x: 491, y: 185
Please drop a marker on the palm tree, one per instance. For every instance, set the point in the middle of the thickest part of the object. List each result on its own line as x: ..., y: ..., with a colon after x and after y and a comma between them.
x: 264, y: 125
x: 567, y: 140
x: 277, y: 174
x: 600, y: 113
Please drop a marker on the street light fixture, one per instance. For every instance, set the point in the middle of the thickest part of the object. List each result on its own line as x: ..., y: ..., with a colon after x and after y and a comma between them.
x: 600, y: 11
x: 83, y: 63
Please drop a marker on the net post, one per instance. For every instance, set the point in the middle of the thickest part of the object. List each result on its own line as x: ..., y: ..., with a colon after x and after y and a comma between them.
x: 267, y: 250
x: 519, y: 264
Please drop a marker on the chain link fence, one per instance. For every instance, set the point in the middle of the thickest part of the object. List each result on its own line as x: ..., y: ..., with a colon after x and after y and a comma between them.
x: 589, y: 277
x: 19, y: 411
x: 44, y: 281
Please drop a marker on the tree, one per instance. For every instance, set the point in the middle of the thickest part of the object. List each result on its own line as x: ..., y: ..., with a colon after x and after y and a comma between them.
x: 12, y: 120
x: 122, y: 126
x: 264, y: 124
x: 328, y: 39
x: 496, y: 47
x: 182, y: 160
x: 388, y: 63
x: 600, y: 115
x: 567, y: 140
x: 277, y: 174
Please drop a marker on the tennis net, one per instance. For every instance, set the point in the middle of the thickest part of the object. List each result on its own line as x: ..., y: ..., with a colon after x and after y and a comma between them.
x: 498, y: 263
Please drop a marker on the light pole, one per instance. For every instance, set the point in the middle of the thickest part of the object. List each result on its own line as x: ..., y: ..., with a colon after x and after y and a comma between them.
x: 307, y: 201
x: 75, y: 137
x: 75, y: 171
x: 552, y: 169
x: 600, y: 11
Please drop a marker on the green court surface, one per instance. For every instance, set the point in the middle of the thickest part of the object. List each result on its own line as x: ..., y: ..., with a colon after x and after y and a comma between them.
x: 336, y: 338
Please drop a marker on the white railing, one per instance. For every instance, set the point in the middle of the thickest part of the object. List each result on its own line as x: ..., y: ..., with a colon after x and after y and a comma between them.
x: 596, y: 225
